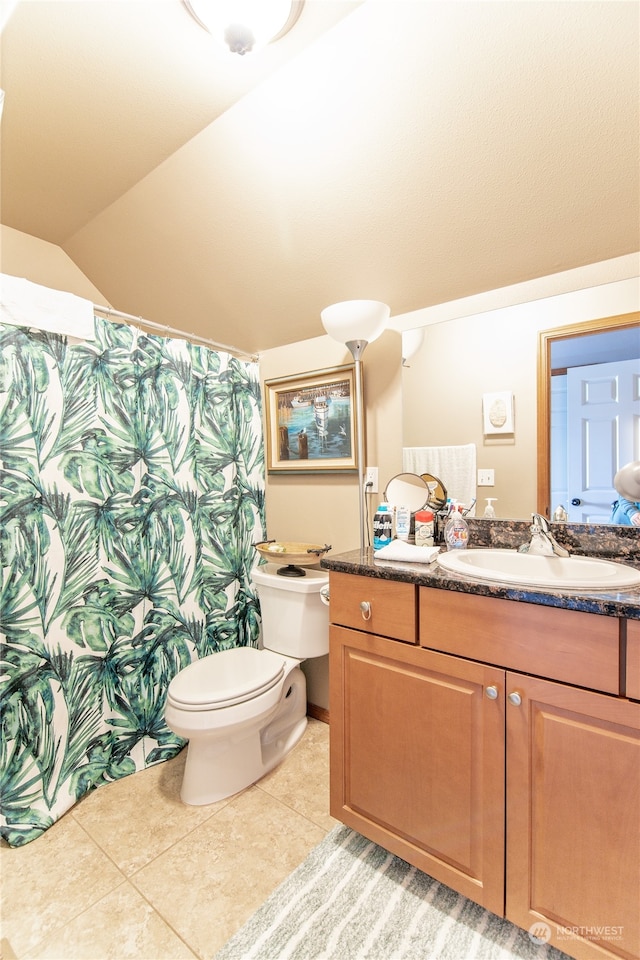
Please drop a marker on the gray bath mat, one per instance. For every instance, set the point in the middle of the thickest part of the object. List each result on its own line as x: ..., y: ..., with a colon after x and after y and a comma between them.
x: 352, y: 900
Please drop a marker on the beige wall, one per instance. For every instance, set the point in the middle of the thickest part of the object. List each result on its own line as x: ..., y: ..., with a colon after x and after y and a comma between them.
x: 40, y: 262
x: 443, y: 387
x: 463, y: 358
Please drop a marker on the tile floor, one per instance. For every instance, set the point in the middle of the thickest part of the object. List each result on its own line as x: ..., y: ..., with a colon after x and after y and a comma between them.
x: 131, y: 872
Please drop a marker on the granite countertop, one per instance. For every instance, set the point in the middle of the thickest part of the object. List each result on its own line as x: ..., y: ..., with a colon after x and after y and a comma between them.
x: 615, y: 604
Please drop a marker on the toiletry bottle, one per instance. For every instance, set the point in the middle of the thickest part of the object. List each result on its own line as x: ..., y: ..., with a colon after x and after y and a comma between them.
x: 489, y: 510
x: 424, y: 528
x: 560, y: 514
x: 382, y: 525
x: 403, y: 523
x: 456, y: 532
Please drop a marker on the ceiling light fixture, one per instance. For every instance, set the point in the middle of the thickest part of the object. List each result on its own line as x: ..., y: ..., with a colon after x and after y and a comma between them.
x: 245, y: 24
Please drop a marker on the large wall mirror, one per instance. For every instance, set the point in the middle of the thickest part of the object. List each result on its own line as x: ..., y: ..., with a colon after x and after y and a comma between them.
x: 460, y: 360
x: 588, y: 414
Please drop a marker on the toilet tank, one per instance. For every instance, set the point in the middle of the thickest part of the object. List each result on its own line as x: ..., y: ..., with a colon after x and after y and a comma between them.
x: 295, y: 620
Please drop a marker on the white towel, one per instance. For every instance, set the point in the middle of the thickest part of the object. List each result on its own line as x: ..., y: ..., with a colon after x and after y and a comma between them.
x: 455, y: 466
x: 26, y: 304
x: 407, y: 552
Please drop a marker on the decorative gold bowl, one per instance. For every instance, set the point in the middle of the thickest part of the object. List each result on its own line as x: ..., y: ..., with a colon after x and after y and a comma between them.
x: 285, y: 551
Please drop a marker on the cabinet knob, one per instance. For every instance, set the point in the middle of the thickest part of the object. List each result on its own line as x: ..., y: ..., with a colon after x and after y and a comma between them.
x: 491, y: 692
x: 365, y: 609
x: 515, y: 698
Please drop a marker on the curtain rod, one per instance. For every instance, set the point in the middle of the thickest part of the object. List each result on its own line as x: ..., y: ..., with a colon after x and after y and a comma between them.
x: 236, y: 351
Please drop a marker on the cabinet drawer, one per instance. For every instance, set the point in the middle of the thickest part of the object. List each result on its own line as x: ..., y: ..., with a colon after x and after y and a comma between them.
x: 633, y: 659
x: 582, y: 649
x: 392, y: 605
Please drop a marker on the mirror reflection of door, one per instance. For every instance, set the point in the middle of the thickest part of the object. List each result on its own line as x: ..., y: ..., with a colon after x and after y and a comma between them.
x: 595, y: 420
x: 602, y: 406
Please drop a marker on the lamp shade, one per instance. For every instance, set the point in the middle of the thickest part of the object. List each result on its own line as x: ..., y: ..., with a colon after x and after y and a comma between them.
x: 355, y: 320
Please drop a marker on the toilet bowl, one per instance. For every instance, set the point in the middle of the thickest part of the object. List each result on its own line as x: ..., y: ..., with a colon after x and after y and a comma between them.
x: 242, y: 710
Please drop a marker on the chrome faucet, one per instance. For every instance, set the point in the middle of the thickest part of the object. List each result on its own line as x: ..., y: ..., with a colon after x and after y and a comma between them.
x: 543, y: 543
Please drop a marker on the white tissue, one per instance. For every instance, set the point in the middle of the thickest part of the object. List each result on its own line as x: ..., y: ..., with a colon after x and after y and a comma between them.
x: 407, y: 552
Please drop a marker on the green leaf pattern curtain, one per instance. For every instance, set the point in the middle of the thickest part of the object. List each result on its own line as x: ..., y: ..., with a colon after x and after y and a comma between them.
x: 132, y: 491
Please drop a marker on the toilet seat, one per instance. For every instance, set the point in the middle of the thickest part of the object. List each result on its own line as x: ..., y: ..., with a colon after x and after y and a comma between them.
x: 223, y: 679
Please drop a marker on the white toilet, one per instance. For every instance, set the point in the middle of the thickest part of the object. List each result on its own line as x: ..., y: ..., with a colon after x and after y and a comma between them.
x: 242, y: 710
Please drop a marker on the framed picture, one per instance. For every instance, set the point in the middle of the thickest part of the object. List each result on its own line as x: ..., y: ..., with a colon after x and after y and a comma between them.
x: 497, y: 412
x: 311, y: 422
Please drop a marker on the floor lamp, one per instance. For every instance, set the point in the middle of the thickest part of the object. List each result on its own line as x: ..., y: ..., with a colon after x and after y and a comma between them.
x: 357, y: 323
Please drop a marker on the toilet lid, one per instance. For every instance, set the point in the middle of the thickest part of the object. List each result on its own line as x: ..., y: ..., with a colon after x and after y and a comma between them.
x: 226, y: 678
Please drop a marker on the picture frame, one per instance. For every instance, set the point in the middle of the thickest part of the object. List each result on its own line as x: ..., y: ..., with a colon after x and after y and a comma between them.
x: 311, y: 422
x: 497, y: 413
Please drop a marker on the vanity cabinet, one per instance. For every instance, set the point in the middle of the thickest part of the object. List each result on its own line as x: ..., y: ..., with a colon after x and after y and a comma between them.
x: 495, y: 752
x: 632, y: 673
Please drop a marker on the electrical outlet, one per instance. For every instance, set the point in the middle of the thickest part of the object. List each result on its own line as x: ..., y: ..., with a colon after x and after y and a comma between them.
x: 486, y: 478
x: 371, y: 479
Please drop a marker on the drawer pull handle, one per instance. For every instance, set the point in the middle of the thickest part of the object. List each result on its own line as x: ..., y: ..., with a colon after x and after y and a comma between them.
x: 491, y: 692
x: 515, y: 698
x: 365, y: 609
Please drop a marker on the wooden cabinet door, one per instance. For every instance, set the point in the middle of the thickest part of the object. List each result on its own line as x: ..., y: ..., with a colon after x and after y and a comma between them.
x: 573, y: 817
x: 633, y: 659
x: 417, y: 758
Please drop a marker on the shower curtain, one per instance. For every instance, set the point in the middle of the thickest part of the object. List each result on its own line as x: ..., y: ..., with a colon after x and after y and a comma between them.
x: 132, y: 491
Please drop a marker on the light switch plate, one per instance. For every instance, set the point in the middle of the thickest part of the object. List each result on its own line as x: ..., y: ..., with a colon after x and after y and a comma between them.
x: 486, y: 478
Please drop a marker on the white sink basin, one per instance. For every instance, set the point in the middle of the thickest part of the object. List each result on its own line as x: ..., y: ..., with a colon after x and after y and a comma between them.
x: 527, y: 570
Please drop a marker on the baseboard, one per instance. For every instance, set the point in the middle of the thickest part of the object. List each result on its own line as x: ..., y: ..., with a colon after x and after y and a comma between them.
x: 318, y: 713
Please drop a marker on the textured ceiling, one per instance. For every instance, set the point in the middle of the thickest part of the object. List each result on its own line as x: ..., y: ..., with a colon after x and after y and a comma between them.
x: 412, y: 152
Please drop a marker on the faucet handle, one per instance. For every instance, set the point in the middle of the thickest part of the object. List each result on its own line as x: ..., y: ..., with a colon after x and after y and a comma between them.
x: 540, y: 522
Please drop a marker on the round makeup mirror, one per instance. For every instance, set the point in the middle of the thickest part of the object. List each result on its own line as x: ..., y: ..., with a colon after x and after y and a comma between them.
x: 407, y: 490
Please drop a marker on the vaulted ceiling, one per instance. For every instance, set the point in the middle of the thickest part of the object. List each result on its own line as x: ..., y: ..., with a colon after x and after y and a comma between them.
x: 411, y: 152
